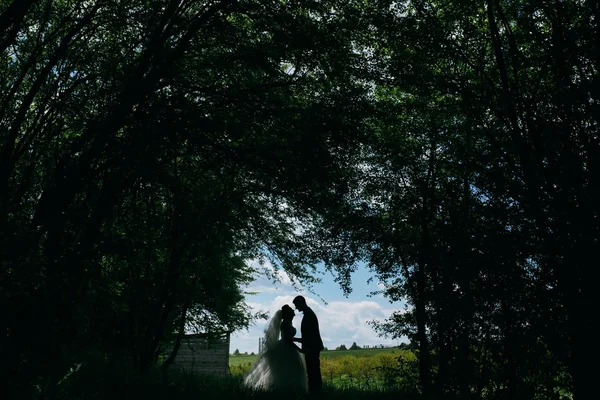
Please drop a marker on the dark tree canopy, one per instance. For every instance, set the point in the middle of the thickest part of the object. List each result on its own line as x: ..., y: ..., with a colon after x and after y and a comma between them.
x: 150, y: 149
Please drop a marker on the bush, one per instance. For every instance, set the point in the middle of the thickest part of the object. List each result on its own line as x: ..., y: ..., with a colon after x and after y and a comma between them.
x: 386, y: 371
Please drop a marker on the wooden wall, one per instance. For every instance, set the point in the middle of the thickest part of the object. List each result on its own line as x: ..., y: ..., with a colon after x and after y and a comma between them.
x: 204, y: 353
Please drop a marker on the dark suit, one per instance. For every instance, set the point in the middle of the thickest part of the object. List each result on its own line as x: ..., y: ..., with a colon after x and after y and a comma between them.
x: 312, y: 346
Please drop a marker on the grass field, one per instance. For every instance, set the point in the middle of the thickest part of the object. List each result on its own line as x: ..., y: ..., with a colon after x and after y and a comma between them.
x: 376, y: 374
x: 332, y: 354
x: 235, y: 361
x: 178, y: 385
x: 365, y: 369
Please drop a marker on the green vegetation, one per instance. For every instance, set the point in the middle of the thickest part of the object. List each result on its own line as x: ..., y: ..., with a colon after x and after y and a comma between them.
x: 362, y: 369
x: 358, y: 352
x: 242, y: 360
x: 179, y: 386
x: 155, y: 155
x: 326, y: 354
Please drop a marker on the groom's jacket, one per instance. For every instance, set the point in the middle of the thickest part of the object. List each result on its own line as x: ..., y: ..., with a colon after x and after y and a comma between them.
x: 311, y: 337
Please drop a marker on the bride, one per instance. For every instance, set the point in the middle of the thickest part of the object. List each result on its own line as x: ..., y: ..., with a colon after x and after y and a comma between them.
x: 279, y: 366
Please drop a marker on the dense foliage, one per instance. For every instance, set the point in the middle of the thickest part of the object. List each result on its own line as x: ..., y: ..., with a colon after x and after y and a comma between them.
x: 482, y: 183
x: 150, y: 149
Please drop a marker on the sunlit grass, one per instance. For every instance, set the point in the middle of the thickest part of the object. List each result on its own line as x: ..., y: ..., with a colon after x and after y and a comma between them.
x: 365, y: 370
x: 370, y: 374
x: 328, y: 354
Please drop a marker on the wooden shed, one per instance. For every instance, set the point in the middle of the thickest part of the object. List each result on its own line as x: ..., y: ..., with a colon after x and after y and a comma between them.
x: 204, y: 353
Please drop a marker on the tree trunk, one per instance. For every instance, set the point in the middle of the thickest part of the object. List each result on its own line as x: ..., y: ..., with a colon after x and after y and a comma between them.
x: 421, y: 278
x: 171, y: 359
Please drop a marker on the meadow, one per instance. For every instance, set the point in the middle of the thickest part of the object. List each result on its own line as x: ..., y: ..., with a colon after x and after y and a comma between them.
x: 379, y: 374
x: 377, y: 369
x: 244, y: 359
x: 352, y: 374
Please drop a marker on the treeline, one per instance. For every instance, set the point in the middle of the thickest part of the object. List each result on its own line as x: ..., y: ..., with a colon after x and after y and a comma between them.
x: 354, y: 346
x: 236, y: 353
x: 148, y: 150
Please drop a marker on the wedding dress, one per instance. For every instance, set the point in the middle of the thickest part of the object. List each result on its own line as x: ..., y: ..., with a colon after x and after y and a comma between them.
x: 279, y: 366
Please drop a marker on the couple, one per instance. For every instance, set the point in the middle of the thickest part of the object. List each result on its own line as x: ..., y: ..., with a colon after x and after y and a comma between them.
x: 279, y: 366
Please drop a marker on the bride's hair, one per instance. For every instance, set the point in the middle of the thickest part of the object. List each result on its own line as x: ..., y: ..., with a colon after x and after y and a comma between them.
x: 287, y: 312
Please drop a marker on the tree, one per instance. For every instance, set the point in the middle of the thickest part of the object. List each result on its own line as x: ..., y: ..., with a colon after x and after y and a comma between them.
x: 464, y: 208
x: 147, y: 153
x: 341, y: 347
x: 149, y: 150
x: 236, y: 352
x: 354, y: 346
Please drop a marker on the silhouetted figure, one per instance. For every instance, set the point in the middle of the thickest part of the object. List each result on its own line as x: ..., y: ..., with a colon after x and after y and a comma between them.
x: 311, y: 345
x: 279, y: 365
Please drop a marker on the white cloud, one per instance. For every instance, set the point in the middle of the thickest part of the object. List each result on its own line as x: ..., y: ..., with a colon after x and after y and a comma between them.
x: 341, y: 322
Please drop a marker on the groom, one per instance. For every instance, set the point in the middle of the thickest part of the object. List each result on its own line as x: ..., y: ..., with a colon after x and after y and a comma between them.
x: 311, y: 345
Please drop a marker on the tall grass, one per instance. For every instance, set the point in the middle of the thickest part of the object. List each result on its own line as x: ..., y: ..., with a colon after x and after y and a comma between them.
x: 378, y: 376
x: 177, y: 385
x: 371, y: 371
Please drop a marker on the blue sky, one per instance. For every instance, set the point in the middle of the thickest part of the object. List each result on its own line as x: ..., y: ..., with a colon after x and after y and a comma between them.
x: 342, y: 320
